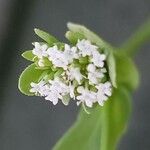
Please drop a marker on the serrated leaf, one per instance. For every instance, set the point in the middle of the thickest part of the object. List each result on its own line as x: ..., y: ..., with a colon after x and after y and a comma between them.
x: 28, y: 55
x: 46, y: 36
x: 30, y: 74
x: 101, y: 129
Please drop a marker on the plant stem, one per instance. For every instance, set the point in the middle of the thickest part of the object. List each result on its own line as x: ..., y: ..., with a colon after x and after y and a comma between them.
x: 139, y: 38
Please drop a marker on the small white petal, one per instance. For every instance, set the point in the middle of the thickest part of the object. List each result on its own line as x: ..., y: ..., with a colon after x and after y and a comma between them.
x: 88, y: 103
x: 74, y: 73
x: 91, y: 68
x: 40, y: 50
x: 80, y: 89
x: 85, y: 47
x: 86, y: 96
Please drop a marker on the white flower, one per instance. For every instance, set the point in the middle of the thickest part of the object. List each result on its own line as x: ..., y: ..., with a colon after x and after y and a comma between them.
x: 37, y: 87
x: 104, y: 91
x: 86, y: 47
x: 53, y: 52
x: 70, y: 53
x: 57, y: 57
x: 45, y: 90
x: 53, y: 97
x: 105, y: 87
x: 86, y: 96
x: 68, y: 82
x: 58, y: 86
x: 74, y: 73
x: 40, y: 50
x: 98, y: 59
x: 71, y: 91
x: 57, y: 90
x: 94, y: 74
x: 101, y: 97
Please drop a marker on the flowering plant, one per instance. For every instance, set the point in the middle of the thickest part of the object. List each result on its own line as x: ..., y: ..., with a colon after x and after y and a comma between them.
x: 89, y: 71
x: 79, y: 71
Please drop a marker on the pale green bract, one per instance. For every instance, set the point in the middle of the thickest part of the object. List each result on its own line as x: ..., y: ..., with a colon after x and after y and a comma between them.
x: 30, y: 74
x: 104, y: 126
x: 46, y: 36
x: 28, y: 55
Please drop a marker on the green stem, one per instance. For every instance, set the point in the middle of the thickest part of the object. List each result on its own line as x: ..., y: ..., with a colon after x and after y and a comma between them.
x: 138, y: 39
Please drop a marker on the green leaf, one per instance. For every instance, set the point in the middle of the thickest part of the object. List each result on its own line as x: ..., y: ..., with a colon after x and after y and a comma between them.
x: 108, y: 50
x: 102, y: 128
x: 46, y: 36
x: 28, y: 55
x: 112, y: 68
x: 73, y: 37
x: 127, y: 73
x: 30, y: 74
x: 115, y: 117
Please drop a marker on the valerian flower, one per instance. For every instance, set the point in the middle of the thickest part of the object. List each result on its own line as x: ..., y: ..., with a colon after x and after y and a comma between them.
x: 74, y: 73
x: 85, y: 47
x: 57, y: 57
x: 79, y: 73
x: 86, y: 96
x: 40, y: 50
x: 94, y: 75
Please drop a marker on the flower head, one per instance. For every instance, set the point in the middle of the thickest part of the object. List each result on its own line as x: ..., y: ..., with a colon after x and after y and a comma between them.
x: 79, y: 72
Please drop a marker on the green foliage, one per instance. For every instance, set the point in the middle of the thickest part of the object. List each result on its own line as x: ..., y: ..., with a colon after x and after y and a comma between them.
x: 111, y: 63
x: 46, y: 36
x: 127, y: 74
x: 115, y: 119
x: 73, y: 37
x: 101, y: 129
x: 30, y: 74
x: 28, y: 55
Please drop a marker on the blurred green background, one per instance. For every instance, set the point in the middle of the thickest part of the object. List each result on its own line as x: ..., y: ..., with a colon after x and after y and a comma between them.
x: 30, y: 123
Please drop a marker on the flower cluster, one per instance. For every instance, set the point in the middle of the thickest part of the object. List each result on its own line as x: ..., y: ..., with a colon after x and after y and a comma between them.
x: 79, y: 73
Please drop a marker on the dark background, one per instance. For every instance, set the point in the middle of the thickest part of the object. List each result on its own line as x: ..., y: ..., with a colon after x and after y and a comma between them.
x: 30, y: 123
